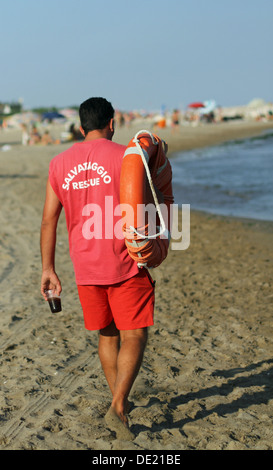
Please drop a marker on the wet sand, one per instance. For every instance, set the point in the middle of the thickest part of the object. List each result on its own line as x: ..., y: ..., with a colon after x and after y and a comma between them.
x: 206, y: 379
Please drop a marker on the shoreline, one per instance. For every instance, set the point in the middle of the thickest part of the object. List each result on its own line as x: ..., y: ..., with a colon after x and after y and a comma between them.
x: 205, y: 135
x: 263, y: 225
x: 213, y: 136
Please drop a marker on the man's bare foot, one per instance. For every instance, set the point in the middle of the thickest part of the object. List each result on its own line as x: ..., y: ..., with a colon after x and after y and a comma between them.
x: 129, y: 406
x: 119, y: 426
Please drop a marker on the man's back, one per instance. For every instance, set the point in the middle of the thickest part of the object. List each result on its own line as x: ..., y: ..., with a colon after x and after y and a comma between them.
x: 86, y: 180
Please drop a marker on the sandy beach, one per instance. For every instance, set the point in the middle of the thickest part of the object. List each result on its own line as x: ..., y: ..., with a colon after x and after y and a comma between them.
x: 206, y: 379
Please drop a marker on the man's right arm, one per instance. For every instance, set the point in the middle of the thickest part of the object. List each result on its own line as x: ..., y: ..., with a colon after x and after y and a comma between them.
x: 51, y: 213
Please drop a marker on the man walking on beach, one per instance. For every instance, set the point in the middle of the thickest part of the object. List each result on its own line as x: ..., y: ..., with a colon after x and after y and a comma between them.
x: 117, y: 297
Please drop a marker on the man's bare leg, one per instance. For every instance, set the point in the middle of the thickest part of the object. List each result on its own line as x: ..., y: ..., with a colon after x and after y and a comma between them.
x: 130, y: 357
x: 109, y: 342
x: 121, y: 367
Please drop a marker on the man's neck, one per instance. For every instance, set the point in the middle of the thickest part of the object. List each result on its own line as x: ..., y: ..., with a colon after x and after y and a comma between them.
x: 98, y: 134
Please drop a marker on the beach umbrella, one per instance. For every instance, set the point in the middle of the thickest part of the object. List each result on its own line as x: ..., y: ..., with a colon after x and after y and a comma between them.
x: 196, y: 105
x: 52, y: 115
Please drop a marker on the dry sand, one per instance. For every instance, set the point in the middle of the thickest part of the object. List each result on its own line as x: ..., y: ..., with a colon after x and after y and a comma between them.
x: 206, y: 380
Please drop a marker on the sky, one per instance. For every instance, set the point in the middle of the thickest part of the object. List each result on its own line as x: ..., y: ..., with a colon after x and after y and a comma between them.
x: 138, y: 54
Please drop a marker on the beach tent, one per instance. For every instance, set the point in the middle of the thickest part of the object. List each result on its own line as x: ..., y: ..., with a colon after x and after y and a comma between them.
x: 209, y: 107
x: 256, y: 103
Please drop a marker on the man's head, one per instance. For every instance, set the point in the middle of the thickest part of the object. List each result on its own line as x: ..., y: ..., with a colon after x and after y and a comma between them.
x: 95, y: 114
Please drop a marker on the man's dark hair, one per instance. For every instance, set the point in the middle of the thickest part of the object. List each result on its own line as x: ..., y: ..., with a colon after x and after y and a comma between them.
x: 95, y: 113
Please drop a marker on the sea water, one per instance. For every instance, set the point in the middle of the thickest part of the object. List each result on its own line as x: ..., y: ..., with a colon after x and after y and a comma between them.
x: 235, y: 178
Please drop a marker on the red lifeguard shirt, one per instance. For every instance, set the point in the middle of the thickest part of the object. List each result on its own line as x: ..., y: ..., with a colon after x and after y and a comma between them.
x: 86, y: 180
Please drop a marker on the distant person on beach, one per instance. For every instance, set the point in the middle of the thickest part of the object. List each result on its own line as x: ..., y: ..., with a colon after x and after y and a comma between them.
x: 25, y: 135
x: 46, y: 138
x: 117, y: 297
x: 175, y: 120
x: 75, y: 133
x: 34, y: 137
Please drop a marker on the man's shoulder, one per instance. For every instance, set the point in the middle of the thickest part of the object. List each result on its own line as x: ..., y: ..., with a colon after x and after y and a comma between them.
x: 114, y: 145
x: 60, y: 156
x: 105, y: 147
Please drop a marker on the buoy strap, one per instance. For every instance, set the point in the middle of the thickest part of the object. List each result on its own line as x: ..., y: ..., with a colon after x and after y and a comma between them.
x: 136, y: 151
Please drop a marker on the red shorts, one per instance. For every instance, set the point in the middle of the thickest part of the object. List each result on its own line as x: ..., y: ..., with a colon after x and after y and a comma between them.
x: 129, y: 303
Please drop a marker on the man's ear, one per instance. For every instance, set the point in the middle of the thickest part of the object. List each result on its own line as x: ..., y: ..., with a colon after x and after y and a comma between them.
x: 112, y: 125
x: 82, y: 131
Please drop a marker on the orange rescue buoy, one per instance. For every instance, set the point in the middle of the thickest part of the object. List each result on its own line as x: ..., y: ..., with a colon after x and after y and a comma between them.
x: 146, y: 198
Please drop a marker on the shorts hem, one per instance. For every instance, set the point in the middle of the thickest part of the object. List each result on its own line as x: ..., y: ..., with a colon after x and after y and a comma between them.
x: 124, y: 328
x: 95, y: 328
x: 135, y: 327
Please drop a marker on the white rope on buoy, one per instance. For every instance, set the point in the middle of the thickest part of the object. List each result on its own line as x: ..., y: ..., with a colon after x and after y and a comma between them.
x: 163, y: 230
